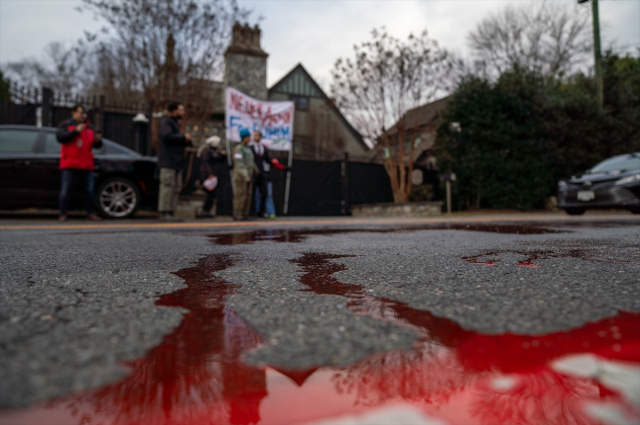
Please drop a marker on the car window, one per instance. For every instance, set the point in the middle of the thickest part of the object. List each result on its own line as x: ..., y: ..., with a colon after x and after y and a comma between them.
x: 622, y: 162
x: 112, y: 148
x: 51, y: 145
x: 14, y: 141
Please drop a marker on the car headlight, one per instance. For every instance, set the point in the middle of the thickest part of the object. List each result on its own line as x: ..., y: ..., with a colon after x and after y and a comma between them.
x: 630, y: 179
x: 562, y: 184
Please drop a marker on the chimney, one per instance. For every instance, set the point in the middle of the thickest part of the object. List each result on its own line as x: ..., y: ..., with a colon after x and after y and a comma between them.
x: 246, y: 40
x: 246, y: 62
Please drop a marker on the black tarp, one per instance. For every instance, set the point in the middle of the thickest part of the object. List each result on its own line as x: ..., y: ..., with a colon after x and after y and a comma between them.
x: 318, y: 188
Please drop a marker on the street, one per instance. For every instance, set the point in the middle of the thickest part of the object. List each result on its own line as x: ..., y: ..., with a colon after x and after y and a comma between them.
x: 453, y: 320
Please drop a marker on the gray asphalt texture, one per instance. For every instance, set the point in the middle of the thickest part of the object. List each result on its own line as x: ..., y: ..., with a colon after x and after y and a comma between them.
x: 74, y: 306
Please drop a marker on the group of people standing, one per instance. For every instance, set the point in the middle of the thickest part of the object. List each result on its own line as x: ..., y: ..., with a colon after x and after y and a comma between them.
x: 253, y: 190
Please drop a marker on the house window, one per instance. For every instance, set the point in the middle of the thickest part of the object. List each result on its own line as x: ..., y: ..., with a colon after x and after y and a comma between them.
x: 302, y: 102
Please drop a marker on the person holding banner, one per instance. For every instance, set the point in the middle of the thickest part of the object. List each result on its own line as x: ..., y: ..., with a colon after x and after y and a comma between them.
x: 273, y: 122
x: 262, y: 190
x: 244, y: 169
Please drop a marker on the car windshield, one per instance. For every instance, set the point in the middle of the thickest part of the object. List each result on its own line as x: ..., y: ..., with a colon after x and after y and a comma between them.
x: 618, y: 163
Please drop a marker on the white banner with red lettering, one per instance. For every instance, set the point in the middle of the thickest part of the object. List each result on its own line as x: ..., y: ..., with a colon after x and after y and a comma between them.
x: 273, y: 119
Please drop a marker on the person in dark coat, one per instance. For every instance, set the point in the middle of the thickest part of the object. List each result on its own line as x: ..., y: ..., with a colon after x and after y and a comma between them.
x: 171, y: 144
x: 77, y: 137
x: 263, y: 189
x: 212, y: 160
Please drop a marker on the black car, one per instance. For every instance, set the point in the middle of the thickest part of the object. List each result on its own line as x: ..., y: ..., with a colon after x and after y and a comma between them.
x: 30, y: 177
x: 613, y: 183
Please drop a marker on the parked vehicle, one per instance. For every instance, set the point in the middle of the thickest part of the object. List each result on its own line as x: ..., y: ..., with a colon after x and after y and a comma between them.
x: 30, y: 175
x: 613, y: 183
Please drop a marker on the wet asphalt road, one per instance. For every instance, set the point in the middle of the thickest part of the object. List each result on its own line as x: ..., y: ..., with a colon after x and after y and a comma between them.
x: 77, y: 303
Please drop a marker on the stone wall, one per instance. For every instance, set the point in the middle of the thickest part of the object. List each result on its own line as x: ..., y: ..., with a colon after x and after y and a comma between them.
x: 412, y: 209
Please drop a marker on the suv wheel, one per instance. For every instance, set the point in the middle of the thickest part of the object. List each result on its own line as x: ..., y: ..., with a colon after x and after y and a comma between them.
x: 575, y: 211
x: 118, y: 198
x: 635, y: 210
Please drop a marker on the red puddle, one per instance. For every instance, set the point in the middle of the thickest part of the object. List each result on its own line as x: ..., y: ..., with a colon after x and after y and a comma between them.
x: 285, y: 235
x: 531, y: 256
x: 197, y: 376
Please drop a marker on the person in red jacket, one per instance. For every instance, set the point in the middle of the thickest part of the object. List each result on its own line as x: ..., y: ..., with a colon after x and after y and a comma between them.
x: 77, y: 137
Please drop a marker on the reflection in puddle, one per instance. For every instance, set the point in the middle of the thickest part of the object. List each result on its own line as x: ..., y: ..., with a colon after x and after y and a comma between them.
x: 491, y: 258
x: 197, y: 376
x: 285, y: 235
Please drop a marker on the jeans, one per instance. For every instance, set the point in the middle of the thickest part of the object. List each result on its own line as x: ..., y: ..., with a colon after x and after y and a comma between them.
x: 69, y: 176
x: 170, y: 188
x: 269, y: 207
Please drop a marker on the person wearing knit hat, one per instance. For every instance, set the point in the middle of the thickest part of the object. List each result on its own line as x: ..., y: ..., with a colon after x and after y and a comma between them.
x: 244, y: 168
x: 212, y: 160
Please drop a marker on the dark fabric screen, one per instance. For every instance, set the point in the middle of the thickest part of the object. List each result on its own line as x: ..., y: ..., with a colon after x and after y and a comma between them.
x: 317, y: 188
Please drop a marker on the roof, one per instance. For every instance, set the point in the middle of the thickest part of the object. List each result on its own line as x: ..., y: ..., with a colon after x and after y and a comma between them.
x: 422, y: 115
x: 298, y: 82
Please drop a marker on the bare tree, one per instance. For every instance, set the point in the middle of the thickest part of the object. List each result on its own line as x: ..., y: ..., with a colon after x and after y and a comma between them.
x: 166, y: 50
x: 62, y: 68
x: 547, y: 38
x: 386, y: 79
x: 197, y: 32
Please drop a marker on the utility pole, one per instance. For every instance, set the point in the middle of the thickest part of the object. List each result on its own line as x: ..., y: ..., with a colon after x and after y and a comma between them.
x: 597, y: 53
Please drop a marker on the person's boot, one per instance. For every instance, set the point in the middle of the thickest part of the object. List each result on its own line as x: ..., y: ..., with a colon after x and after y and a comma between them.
x: 202, y: 213
x: 62, y: 218
x: 94, y: 217
x: 168, y: 216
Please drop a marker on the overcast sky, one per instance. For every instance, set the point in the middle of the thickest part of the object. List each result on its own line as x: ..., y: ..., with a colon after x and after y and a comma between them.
x: 313, y: 32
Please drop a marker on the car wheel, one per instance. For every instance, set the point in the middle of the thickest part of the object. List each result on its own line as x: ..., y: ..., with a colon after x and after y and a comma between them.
x: 575, y: 211
x: 635, y: 210
x: 118, y: 198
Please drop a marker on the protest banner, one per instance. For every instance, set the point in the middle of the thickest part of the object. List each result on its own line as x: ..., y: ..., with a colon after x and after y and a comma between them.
x: 273, y: 119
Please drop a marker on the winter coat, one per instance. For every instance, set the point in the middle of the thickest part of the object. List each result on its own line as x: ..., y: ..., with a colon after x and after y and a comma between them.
x: 171, y: 144
x: 211, y: 162
x: 244, y: 166
x: 76, y: 147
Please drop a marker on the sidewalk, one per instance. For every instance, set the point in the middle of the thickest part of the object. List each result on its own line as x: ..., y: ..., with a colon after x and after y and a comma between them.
x: 227, y: 222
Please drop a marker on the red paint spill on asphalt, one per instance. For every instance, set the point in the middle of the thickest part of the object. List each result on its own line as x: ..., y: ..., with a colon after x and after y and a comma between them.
x: 474, y: 259
x: 527, y: 263
x: 197, y: 375
x: 531, y: 256
x: 286, y: 235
